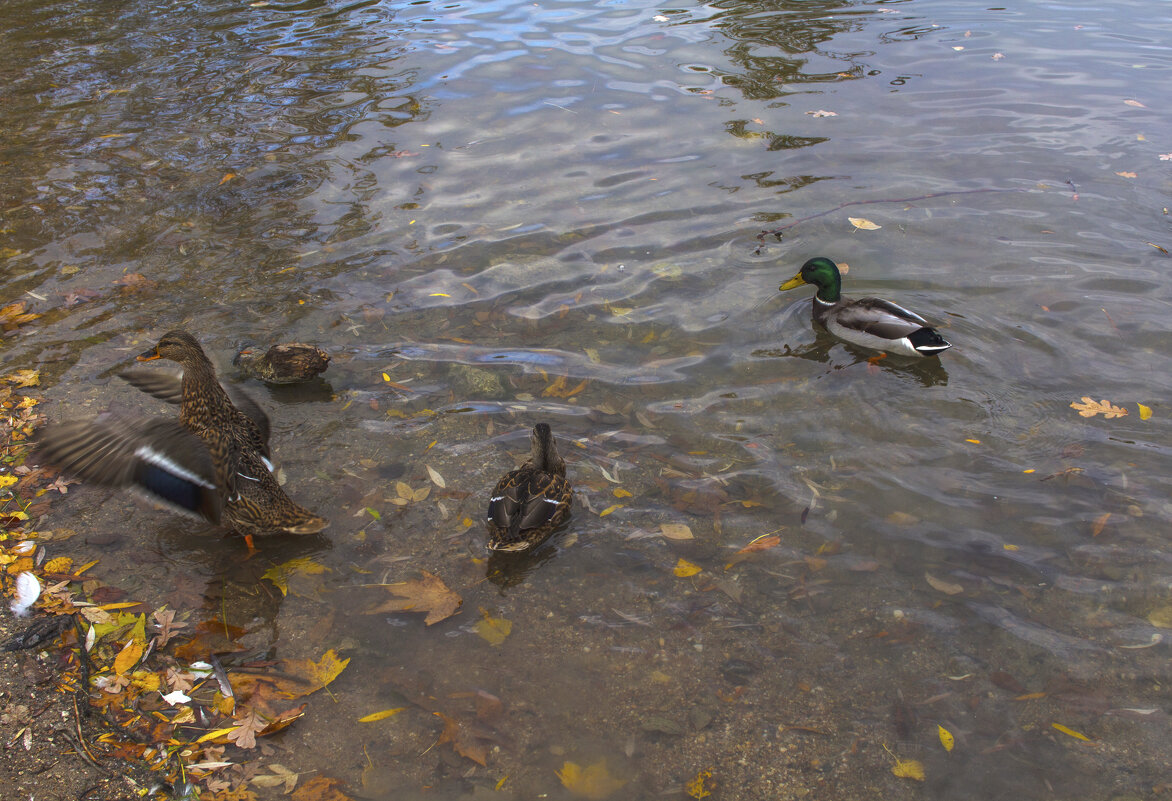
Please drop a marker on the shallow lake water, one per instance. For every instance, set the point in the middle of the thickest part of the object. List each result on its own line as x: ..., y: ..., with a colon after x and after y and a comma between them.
x: 497, y: 213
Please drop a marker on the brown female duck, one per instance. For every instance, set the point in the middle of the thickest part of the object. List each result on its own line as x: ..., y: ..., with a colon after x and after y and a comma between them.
x: 529, y: 503
x: 214, y: 461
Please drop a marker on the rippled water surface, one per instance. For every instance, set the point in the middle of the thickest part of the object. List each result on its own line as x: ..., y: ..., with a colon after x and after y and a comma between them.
x: 495, y: 213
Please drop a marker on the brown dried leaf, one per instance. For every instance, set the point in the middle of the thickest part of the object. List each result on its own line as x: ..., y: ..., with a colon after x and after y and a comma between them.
x: 1089, y: 408
x: 428, y: 594
x: 463, y: 742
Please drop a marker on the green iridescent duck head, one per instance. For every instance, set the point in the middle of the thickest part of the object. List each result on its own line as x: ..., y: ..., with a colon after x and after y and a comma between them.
x: 822, y: 273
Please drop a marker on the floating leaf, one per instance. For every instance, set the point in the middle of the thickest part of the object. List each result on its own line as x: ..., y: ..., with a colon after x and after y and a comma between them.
x: 428, y: 594
x: 280, y: 574
x: 493, y: 629
x: 684, y: 568
x: 1071, y: 733
x: 676, y: 531
x: 822, y: 113
x: 1145, y: 412
x: 593, y: 782
x: 316, y: 674
x: 701, y: 786
x: 1089, y: 408
x: 946, y: 738
x: 383, y: 715
x: 863, y: 224
x: 1135, y: 103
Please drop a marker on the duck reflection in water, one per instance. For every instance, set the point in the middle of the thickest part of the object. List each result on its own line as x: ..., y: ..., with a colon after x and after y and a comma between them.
x: 928, y: 372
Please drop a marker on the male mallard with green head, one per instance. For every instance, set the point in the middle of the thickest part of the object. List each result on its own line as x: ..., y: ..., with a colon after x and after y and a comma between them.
x: 214, y: 461
x: 529, y: 503
x: 870, y: 322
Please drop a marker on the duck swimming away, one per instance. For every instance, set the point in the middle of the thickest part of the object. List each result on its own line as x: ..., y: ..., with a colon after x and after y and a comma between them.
x: 869, y: 322
x: 529, y: 503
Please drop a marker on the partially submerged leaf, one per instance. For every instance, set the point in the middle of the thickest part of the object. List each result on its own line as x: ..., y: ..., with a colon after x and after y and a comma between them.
x: 701, y: 786
x: 493, y: 629
x: 946, y: 587
x: 908, y: 769
x: 315, y: 674
x: 593, y: 782
x: 1072, y: 733
x: 428, y: 594
x: 1145, y: 412
x: 761, y: 543
x: 863, y: 224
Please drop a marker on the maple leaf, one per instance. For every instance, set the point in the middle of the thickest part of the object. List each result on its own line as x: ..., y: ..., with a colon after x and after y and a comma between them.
x: 302, y: 565
x: 247, y: 726
x: 315, y: 675
x: 321, y: 788
x: 428, y: 594
x: 1089, y: 408
x: 493, y: 629
x: 165, y: 622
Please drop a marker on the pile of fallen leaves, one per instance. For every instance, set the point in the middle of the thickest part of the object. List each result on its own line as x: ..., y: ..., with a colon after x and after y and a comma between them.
x: 151, y: 680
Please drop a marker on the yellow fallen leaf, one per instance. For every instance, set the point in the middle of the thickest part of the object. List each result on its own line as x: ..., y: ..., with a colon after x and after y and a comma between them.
x: 684, y: 568
x: 1145, y: 412
x: 593, y: 782
x: 316, y: 674
x: 216, y: 733
x: 228, y: 176
x: 280, y: 574
x: 128, y: 657
x: 946, y: 738
x: 676, y: 531
x: 495, y: 630
x: 59, y: 565
x: 1161, y: 617
x: 863, y: 224
x: 7, y: 481
x: 1072, y: 733
x: 621, y: 493
x: 701, y: 786
x: 24, y: 378
x: 383, y: 715
x: 1089, y: 408
x: 908, y: 769
x: 610, y: 509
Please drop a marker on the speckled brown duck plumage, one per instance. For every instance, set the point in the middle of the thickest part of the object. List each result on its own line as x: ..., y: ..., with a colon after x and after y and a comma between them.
x: 287, y: 363
x: 214, y: 461
x: 529, y: 503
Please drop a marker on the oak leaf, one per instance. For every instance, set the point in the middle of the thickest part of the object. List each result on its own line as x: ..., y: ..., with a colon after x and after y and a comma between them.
x: 1089, y: 408
x: 428, y: 594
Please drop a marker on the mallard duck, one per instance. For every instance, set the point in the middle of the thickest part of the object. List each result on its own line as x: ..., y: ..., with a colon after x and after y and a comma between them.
x: 214, y: 461
x: 531, y: 501
x: 870, y: 322
x: 288, y: 363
